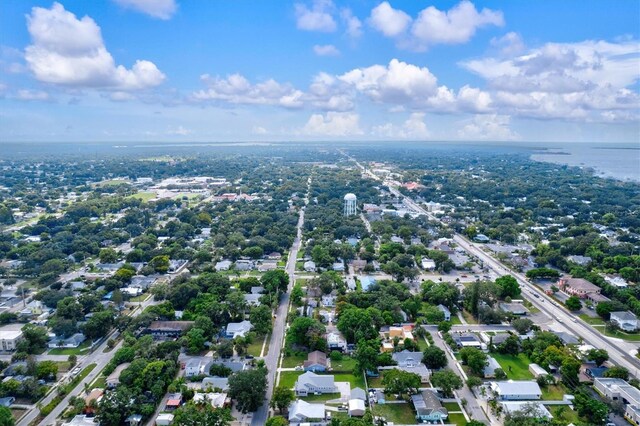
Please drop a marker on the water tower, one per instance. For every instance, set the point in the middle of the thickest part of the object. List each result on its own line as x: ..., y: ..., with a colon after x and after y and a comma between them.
x: 350, y: 204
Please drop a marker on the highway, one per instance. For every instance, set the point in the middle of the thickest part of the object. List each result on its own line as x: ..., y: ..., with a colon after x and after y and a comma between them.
x: 544, y: 303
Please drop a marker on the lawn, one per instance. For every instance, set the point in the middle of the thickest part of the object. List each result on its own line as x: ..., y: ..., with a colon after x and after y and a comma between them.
x: 455, y: 320
x: 457, y: 419
x: 144, y: 196
x: 591, y: 320
x: 519, y: 366
x: 469, y: 318
x: 396, y: 413
x: 565, y: 413
x: 553, y: 392
x: 293, y: 360
x: 256, y: 347
x: 63, y: 366
x: 356, y: 381
x: 288, y: 378
x: 100, y: 382
x: 375, y: 382
x: 451, y: 406
x: 80, y: 350
x: 140, y: 298
x: 599, y: 324
x: 422, y: 344
x: 346, y: 364
x: 321, y: 398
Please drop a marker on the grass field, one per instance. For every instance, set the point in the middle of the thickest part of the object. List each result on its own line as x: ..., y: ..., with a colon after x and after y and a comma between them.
x: 356, y: 381
x: 451, y: 406
x: 256, y: 347
x: 553, y: 392
x: 321, y: 398
x: 565, y: 413
x: 599, y: 324
x: 346, y: 364
x: 144, y: 196
x: 457, y: 419
x: 469, y: 318
x: 591, y: 320
x: 288, y: 378
x: 375, y: 382
x: 519, y: 366
x: 396, y: 413
x: 455, y: 320
x: 80, y: 350
x: 293, y: 361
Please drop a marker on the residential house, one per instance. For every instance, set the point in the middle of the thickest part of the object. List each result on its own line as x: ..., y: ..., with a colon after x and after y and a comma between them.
x: 464, y: 340
x: 164, y: 419
x: 33, y: 309
x: 481, y: 238
x: 401, y: 332
x: 516, y: 390
x: 9, y: 339
x: 197, y: 366
x: 579, y: 260
x: 328, y: 300
x: 94, y: 395
x: 114, y: 378
x: 168, y: 329
x: 626, y: 320
x: 356, y: 404
x: 257, y: 290
x: 428, y: 407
x: 411, y: 362
x: 335, y: 342
x: 567, y: 338
x: 616, y: 280
x: 82, y: 420
x: 267, y: 265
x: 7, y: 401
x: 215, y: 382
x: 310, y: 383
x: 537, y: 371
x: 446, y: 312
x: 244, y: 264
x: 216, y: 399
x: 428, y: 264
x: 338, y: 266
x: 238, y: 329
x: 303, y: 412
x: 223, y: 265
x: 174, y: 401
x: 491, y: 367
x: 366, y: 281
x: 316, y: 362
x: 252, y: 299
x: 514, y: 308
x: 310, y: 266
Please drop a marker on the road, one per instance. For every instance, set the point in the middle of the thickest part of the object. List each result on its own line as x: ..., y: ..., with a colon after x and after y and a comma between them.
x: 277, y: 335
x: 99, y: 357
x: 619, y: 351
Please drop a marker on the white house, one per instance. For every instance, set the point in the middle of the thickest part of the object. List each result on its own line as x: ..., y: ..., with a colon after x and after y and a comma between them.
x: 312, y: 383
x: 537, y: 409
x: 164, y: 419
x: 310, y: 266
x: 521, y: 390
x: 537, y: 371
x: 428, y: 264
x: 626, y: 320
x: 195, y: 367
x: 238, y: 329
x: 9, y: 339
x: 223, y: 265
x: 302, y: 411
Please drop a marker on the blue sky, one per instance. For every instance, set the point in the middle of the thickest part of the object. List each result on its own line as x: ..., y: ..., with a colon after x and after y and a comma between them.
x: 177, y: 70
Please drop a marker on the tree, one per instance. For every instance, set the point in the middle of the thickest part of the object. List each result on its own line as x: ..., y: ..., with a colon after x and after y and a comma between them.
x: 160, y: 264
x: 511, y: 346
x: 275, y: 281
x: 569, y: 370
x: 366, y: 355
x: 47, y: 370
x: 260, y: 317
x: 400, y: 382
x: 434, y: 357
x: 445, y: 326
x: 282, y: 397
x: 73, y: 360
x: 447, y: 381
x: 34, y: 339
x: 192, y: 414
x: 604, y: 309
x: 594, y: 411
x: 225, y: 349
x: 108, y: 255
x: 99, y: 324
x: 599, y: 356
x: 474, y: 381
x: 356, y: 324
x: 69, y: 308
x: 195, y: 340
x: 617, y: 372
x: 573, y: 303
x: 509, y: 286
x: 6, y: 419
x: 297, y: 294
x: 499, y: 374
x: 277, y: 421
x: 522, y: 325
x: 307, y: 332
x: 248, y: 388
x: 475, y: 359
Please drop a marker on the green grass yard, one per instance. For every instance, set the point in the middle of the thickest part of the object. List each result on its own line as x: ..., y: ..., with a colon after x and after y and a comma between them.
x: 346, y: 364
x: 293, y: 360
x: 144, y: 196
x: 456, y: 419
x: 519, y: 366
x: 288, y: 378
x: 397, y: 413
x: 80, y: 350
x: 451, y: 406
x: 553, y: 392
x: 599, y: 324
x: 356, y: 381
x: 321, y: 398
x: 256, y: 347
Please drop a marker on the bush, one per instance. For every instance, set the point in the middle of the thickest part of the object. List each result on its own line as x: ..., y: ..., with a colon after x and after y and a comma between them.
x: 335, y: 356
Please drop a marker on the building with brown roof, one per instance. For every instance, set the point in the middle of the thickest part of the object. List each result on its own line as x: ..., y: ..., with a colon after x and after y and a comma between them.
x: 316, y: 362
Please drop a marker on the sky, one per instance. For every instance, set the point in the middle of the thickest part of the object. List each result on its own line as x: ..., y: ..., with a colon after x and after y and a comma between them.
x: 240, y: 70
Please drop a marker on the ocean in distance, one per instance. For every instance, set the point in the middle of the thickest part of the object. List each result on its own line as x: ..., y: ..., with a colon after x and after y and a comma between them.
x: 621, y: 162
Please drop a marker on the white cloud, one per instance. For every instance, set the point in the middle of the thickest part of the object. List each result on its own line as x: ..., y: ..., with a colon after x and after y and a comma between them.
x: 161, y: 9
x: 333, y: 123
x: 326, y: 50
x: 389, y: 21
x: 32, y: 95
x: 179, y: 131
x: 491, y: 127
x: 236, y: 89
x: 509, y: 44
x: 433, y: 26
x: 413, y: 128
x: 353, y: 24
x: 564, y: 80
x: 316, y: 18
x: 399, y: 82
x: 121, y: 96
x: 70, y: 51
x: 259, y: 130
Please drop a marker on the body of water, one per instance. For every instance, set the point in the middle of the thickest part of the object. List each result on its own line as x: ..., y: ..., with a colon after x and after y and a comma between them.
x: 617, y: 162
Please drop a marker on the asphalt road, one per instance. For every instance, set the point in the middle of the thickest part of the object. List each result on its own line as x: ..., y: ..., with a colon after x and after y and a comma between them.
x: 277, y: 335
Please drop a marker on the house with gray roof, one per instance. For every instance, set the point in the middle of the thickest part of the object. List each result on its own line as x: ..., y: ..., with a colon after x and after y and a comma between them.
x: 238, y: 329
x: 626, y: 320
x: 428, y: 407
x: 516, y: 390
x: 311, y: 383
x: 411, y: 362
x: 215, y: 383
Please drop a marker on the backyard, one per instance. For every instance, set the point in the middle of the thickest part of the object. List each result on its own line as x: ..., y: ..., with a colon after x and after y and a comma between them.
x: 516, y: 367
x: 397, y: 413
x: 80, y: 350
